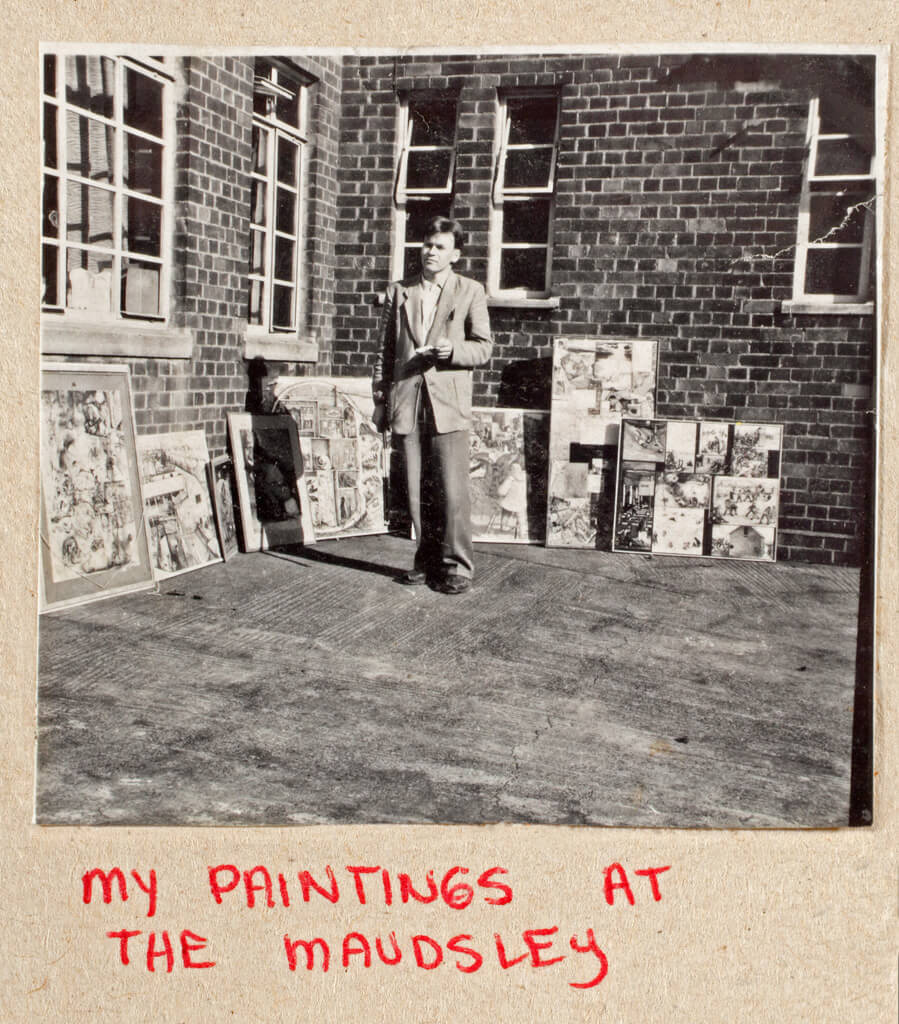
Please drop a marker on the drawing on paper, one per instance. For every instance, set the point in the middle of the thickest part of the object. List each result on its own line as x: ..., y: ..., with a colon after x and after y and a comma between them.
x: 343, y: 451
x: 711, y: 455
x: 680, y: 446
x: 745, y: 501
x: 753, y: 542
x: 507, y: 475
x: 180, y: 520
x: 683, y: 490
x: 756, y: 449
x: 678, y: 531
x: 595, y: 383
x: 643, y: 441
x: 93, y: 537
x: 634, y: 514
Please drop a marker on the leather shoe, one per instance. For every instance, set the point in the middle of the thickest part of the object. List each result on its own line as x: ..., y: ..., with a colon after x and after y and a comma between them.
x: 413, y: 578
x: 455, y: 585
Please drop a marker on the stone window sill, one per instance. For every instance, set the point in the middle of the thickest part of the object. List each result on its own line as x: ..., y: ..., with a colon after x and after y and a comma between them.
x: 521, y: 302
x: 68, y: 337
x: 287, y: 348
x: 804, y: 307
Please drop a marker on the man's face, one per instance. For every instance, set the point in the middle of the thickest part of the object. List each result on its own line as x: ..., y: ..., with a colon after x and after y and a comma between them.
x: 438, y: 251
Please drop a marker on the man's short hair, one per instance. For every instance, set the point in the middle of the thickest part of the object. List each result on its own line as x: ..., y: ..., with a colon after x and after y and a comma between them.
x: 445, y: 226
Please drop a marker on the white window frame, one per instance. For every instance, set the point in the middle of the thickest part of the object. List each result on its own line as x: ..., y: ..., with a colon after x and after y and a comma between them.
x: 67, y: 331
x: 811, y: 185
x: 502, y: 194
x: 157, y: 71
x: 267, y: 338
x: 402, y: 194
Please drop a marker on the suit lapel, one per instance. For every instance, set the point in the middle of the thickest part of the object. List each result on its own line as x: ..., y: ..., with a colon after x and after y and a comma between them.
x: 412, y: 310
x: 444, y: 307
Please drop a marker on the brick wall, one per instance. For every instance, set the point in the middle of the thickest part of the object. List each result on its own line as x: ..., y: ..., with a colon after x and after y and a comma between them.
x: 667, y: 184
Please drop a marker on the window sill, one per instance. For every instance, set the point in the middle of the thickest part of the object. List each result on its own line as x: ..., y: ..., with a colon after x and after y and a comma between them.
x: 66, y: 337
x: 521, y: 302
x: 804, y: 307
x: 287, y: 348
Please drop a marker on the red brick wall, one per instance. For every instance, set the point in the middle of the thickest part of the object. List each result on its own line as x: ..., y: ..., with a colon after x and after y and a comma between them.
x: 665, y: 186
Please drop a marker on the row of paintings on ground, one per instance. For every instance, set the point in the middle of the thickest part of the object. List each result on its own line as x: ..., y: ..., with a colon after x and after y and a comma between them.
x: 121, y: 511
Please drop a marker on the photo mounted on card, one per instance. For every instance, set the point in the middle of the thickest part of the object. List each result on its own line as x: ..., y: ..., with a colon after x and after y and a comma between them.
x: 601, y: 327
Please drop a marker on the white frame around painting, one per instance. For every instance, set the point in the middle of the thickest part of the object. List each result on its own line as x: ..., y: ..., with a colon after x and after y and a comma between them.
x: 69, y: 472
x: 595, y: 381
x: 679, y: 467
x: 296, y: 527
x: 226, y: 524
x: 181, y: 527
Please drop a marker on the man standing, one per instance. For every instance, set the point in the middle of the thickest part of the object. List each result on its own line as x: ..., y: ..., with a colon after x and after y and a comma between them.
x: 434, y: 329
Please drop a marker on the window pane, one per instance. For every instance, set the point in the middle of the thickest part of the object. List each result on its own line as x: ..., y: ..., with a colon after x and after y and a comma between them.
x: 282, y: 312
x: 287, y: 162
x: 832, y: 271
x: 286, y: 215
x: 418, y: 213
x: 829, y: 211
x: 284, y: 250
x: 90, y: 83
x: 50, y: 226
x: 143, y: 166
x: 527, y: 221
x: 288, y: 110
x: 433, y: 122
x: 260, y: 149
x: 411, y: 261
x: 429, y: 169
x: 50, y: 141
x: 89, y: 280
x: 89, y: 215
x: 50, y: 276
x: 143, y: 102
x: 50, y: 75
x: 842, y: 156
x: 142, y: 229
x: 532, y: 118
x: 255, y: 310
x: 523, y: 268
x: 257, y: 202
x: 89, y: 148
x: 257, y: 252
x: 263, y: 70
x: 528, y: 168
x: 140, y: 288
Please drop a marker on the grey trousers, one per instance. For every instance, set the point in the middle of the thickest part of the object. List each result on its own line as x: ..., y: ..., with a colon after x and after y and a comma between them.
x: 439, y: 501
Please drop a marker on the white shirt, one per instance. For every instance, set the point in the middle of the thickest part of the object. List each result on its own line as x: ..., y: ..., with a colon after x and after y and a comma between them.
x: 430, y: 296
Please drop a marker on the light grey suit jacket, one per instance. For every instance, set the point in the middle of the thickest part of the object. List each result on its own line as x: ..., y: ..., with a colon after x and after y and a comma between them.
x: 400, y: 373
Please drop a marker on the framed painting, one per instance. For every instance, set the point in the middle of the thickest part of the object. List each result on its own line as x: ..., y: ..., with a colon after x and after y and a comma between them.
x: 271, y: 485
x: 594, y: 384
x: 180, y: 521
x: 690, y: 487
x: 223, y: 488
x: 93, y: 535
x: 507, y: 475
x: 343, y: 452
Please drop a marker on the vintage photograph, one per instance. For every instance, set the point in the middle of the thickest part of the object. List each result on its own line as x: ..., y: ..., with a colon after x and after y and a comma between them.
x: 463, y: 437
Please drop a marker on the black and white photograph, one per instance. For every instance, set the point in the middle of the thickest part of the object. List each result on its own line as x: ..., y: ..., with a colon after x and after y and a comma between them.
x: 379, y: 267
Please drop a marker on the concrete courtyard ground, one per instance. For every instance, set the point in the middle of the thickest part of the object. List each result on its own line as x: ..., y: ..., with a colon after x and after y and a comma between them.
x: 567, y: 687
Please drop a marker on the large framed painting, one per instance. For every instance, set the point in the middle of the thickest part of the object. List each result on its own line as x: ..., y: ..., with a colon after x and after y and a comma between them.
x: 223, y: 487
x: 507, y: 475
x: 180, y: 519
x: 271, y: 486
x: 689, y: 487
x: 343, y: 452
x: 93, y: 537
x: 594, y: 384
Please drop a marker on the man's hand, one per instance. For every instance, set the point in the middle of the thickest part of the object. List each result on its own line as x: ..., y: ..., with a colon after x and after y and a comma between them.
x: 444, y: 348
